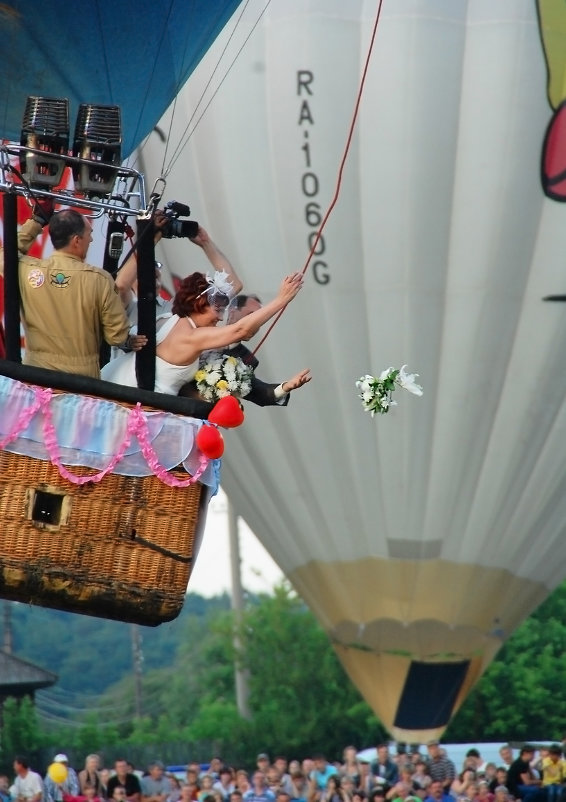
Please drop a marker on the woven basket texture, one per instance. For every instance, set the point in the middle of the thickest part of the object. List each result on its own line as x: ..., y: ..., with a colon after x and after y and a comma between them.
x: 122, y: 547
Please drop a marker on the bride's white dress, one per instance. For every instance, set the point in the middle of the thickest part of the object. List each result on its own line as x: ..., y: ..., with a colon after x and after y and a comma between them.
x: 168, y: 378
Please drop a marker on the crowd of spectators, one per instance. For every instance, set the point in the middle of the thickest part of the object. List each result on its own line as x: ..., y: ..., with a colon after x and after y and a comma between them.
x: 405, y: 776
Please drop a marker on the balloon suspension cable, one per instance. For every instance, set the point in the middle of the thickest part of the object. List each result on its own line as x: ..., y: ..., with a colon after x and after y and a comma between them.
x: 145, y: 214
x: 134, y: 245
x: 155, y: 196
x: 162, y: 38
x: 186, y: 135
x: 213, y: 73
x: 340, y: 170
x: 188, y: 132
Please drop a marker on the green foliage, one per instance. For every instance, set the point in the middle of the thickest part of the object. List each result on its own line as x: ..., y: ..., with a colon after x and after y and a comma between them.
x: 142, y: 731
x: 300, y: 697
x: 521, y: 694
x: 93, y: 735
x: 21, y: 733
x: 217, y: 721
x: 89, y: 655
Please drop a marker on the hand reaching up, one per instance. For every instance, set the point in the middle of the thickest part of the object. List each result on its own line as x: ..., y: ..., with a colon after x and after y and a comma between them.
x: 290, y: 286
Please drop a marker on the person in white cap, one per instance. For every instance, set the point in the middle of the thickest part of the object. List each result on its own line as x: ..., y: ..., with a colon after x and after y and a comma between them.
x: 70, y: 785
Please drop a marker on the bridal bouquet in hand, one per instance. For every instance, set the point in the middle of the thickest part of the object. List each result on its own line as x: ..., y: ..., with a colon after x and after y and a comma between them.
x: 376, y: 393
x: 220, y: 375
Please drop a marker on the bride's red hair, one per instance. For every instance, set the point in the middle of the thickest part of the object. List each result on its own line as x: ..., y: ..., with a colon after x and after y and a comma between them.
x: 186, y: 300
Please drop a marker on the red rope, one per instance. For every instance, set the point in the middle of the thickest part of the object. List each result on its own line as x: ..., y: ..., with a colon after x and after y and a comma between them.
x: 340, y: 170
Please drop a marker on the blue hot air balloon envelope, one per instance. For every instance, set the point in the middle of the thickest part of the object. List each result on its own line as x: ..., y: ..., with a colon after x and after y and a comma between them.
x: 135, y: 54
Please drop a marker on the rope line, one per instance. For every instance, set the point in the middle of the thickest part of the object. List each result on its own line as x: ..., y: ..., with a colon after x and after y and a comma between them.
x: 138, y: 153
x: 104, y: 50
x: 168, y: 137
x: 178, y: 85
x: 152, y: 73
x: 340, y: 170
x: 161, y: 549
x: 182, y: 144
x: 196, y: 108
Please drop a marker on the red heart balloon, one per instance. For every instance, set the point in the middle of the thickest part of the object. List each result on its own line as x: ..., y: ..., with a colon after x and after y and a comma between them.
x: 210, y: 441
x: 227, y: 412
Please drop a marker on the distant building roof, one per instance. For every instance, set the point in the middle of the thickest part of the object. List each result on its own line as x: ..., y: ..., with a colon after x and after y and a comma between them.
x: 17, y: 676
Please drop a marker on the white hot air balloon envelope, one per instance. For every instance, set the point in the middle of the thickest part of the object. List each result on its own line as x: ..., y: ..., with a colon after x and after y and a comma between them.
x: 422, y: 538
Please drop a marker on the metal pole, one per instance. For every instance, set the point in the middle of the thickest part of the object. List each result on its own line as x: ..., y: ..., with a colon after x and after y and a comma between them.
x: 8, y: 635
x: 241, y: 675
x: 11, y: 279
x: 112, y: 252
x: 145, y: 359
x: 137, y: 659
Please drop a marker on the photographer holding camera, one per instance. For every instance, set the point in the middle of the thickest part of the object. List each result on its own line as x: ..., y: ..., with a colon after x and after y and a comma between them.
x: 167, y: 226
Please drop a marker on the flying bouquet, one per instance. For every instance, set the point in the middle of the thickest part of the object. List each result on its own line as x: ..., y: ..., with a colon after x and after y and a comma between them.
x: 376, y: 393
x: 220, y: 375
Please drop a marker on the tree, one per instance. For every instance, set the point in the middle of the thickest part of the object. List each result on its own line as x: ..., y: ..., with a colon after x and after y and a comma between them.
x: 21, y: 733
x: 301, y: 698
x: 521, y: 694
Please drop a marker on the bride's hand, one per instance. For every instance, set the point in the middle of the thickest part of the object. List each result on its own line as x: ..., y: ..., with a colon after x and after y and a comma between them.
x: 290, y: 286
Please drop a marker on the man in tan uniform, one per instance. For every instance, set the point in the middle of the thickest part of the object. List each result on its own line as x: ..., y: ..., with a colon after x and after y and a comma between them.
x: 68, y: 306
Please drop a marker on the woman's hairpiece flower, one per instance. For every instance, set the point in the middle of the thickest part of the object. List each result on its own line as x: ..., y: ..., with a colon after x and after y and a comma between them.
x: 220, y: 289
x: 376, y: 393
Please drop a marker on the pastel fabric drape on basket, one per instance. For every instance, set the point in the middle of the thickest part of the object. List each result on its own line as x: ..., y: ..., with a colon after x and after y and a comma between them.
x: 89, y: 431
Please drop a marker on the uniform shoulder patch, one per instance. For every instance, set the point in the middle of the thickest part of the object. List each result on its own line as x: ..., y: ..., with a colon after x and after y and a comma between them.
x: 36, y: 278
x: 59, y: 279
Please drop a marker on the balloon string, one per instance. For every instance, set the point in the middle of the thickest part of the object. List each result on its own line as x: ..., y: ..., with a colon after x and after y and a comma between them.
x: 340, y: 170
x: 180, y: 146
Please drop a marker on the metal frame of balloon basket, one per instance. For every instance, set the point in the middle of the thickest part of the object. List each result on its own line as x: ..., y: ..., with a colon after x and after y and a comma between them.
x: 117, y: 202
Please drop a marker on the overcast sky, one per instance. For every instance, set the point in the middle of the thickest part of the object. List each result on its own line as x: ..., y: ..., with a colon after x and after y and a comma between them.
x: 211, y: 574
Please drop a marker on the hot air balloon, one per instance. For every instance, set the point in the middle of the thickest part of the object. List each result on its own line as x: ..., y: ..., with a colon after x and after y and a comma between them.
x: 420, y: 539
x: 138, y: 60
x: 102, y: 502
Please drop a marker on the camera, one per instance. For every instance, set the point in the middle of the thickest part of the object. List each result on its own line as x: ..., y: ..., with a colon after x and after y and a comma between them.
x: 175, y: 227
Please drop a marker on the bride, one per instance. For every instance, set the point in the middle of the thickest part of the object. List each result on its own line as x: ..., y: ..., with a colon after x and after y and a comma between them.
x: 198, y: 306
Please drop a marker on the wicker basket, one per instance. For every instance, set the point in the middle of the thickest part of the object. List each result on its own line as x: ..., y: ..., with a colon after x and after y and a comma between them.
x: 121, y: 548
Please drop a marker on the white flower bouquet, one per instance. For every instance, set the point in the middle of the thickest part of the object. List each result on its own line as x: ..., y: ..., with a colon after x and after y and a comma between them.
x: 220, y: 375
x: 376, y: 393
